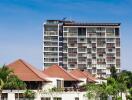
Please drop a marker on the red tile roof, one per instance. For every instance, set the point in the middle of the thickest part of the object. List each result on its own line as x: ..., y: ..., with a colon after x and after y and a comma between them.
x: 57, y: 71
x: 80, y: 74
x: 90, y: 76
x: 26, y: 72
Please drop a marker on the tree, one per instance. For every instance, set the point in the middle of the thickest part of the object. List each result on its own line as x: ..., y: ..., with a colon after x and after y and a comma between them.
x: 1, y: 87
x: 29, y: 94
x: 126, y: 77
x: 4, y: 74
x: 96, y: 91
x: 113, y: 72
x: 90, y: 94
x: 9, y: 81
x: 103, y: 92
x: 112, y: 87
x: 14, y: 82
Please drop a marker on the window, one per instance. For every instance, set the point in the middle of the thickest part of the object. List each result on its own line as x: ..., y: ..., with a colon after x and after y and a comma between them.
x: 81, y: 31
x: 45, y: 98
x: 116, y: 31
x: 57, y: 98
x: 58, y: 83
x: 4, y: 96
x: 109, y: 30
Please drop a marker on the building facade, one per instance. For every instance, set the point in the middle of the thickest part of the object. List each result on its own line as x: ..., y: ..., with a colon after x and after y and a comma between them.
x: 94, y: 47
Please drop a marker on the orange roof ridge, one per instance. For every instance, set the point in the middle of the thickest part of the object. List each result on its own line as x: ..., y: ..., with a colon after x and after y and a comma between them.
x: 78, y: 73
x: 68, y: 73
x: 63, y: 73
x: 81, y: 74
x: 89, y: 75
x: 32, y: 69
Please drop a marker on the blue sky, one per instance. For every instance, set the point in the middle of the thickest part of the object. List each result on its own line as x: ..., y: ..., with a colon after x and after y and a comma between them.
x: 21, y: 25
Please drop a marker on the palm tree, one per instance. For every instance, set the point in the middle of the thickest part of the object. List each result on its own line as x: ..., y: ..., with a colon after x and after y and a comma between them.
x: 1, y: 87
x: 4, y: 73
x: 10, y: 81
x: 14, y: 82
x: 103, y: 92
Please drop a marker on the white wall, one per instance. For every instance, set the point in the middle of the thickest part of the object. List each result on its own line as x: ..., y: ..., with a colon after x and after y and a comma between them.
x: 53, y: 83
x: 63, y: 95
x: 84, y: 81
x: 40, y: 94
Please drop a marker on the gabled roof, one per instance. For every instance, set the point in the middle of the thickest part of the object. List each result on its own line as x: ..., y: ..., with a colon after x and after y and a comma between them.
x: 90, y: 76
x: 26, y: 72
x: 57, y: 71
x: 80, y: 74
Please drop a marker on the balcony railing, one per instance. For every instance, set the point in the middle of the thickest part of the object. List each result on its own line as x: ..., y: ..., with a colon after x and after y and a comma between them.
x: 71, y: 34
x: 51, y: 33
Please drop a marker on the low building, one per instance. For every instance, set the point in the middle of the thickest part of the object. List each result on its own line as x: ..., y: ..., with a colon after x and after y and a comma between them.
x: 44, y: 82
x: 84, y: 76
x: 56, y: 71
x: 34, y: 78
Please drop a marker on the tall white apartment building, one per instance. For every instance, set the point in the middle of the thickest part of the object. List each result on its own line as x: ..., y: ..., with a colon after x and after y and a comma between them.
x: 94, y: 47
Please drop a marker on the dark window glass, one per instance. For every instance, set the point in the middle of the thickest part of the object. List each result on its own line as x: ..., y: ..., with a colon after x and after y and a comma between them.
x: 82, y: 31
x: 116, y: 31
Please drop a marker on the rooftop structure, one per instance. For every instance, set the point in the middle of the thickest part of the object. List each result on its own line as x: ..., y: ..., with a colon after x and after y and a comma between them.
x: 93, y: 47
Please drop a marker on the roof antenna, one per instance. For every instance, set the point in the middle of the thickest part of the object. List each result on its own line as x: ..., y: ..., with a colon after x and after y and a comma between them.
x: 64, y: 18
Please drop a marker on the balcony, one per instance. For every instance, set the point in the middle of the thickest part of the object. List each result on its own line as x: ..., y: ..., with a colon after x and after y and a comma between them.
x: 50, y: 44
x: 50, y: 49
x: 82, y: 40
x: 110, y: 35
x: 92, y: 35
x: 110, y: 46
x: 51, y: 33
x: 72, y: 34
x: 80, y: 50
x: 89, y: 56
x: 111, y: 50
x: 110, y: 40
x: 82, y: 66
x: 72, y: 45
x: 72, y: 66
x: 82, y: 55
x: 100, y: 35
x: 82, y: 62
x: 72, y: 55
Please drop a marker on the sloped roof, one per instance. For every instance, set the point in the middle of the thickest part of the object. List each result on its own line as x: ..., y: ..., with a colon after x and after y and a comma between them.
x: 57, y: 71
x: 90, y: 76
x: 26, y: 72
x: 80, y: 74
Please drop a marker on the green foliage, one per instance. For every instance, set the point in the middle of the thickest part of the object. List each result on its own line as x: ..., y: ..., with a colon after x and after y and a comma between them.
x: 130, y: 91
x: 95, y: 91
x: 29, y: 94
x: 1, y: 86
x: 119, y: 98
x: 5, y: 72
x: 14, y: 82
x: 113, y: 72
x: 117, y: 83
x: 10, y: 81
x: 55, y: 89
x: 126, y: 78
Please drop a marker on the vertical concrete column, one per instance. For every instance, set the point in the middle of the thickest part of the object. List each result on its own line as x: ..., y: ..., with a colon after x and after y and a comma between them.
x: 38, y: 97
x: 11, y: 96
x: 51, y: 97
